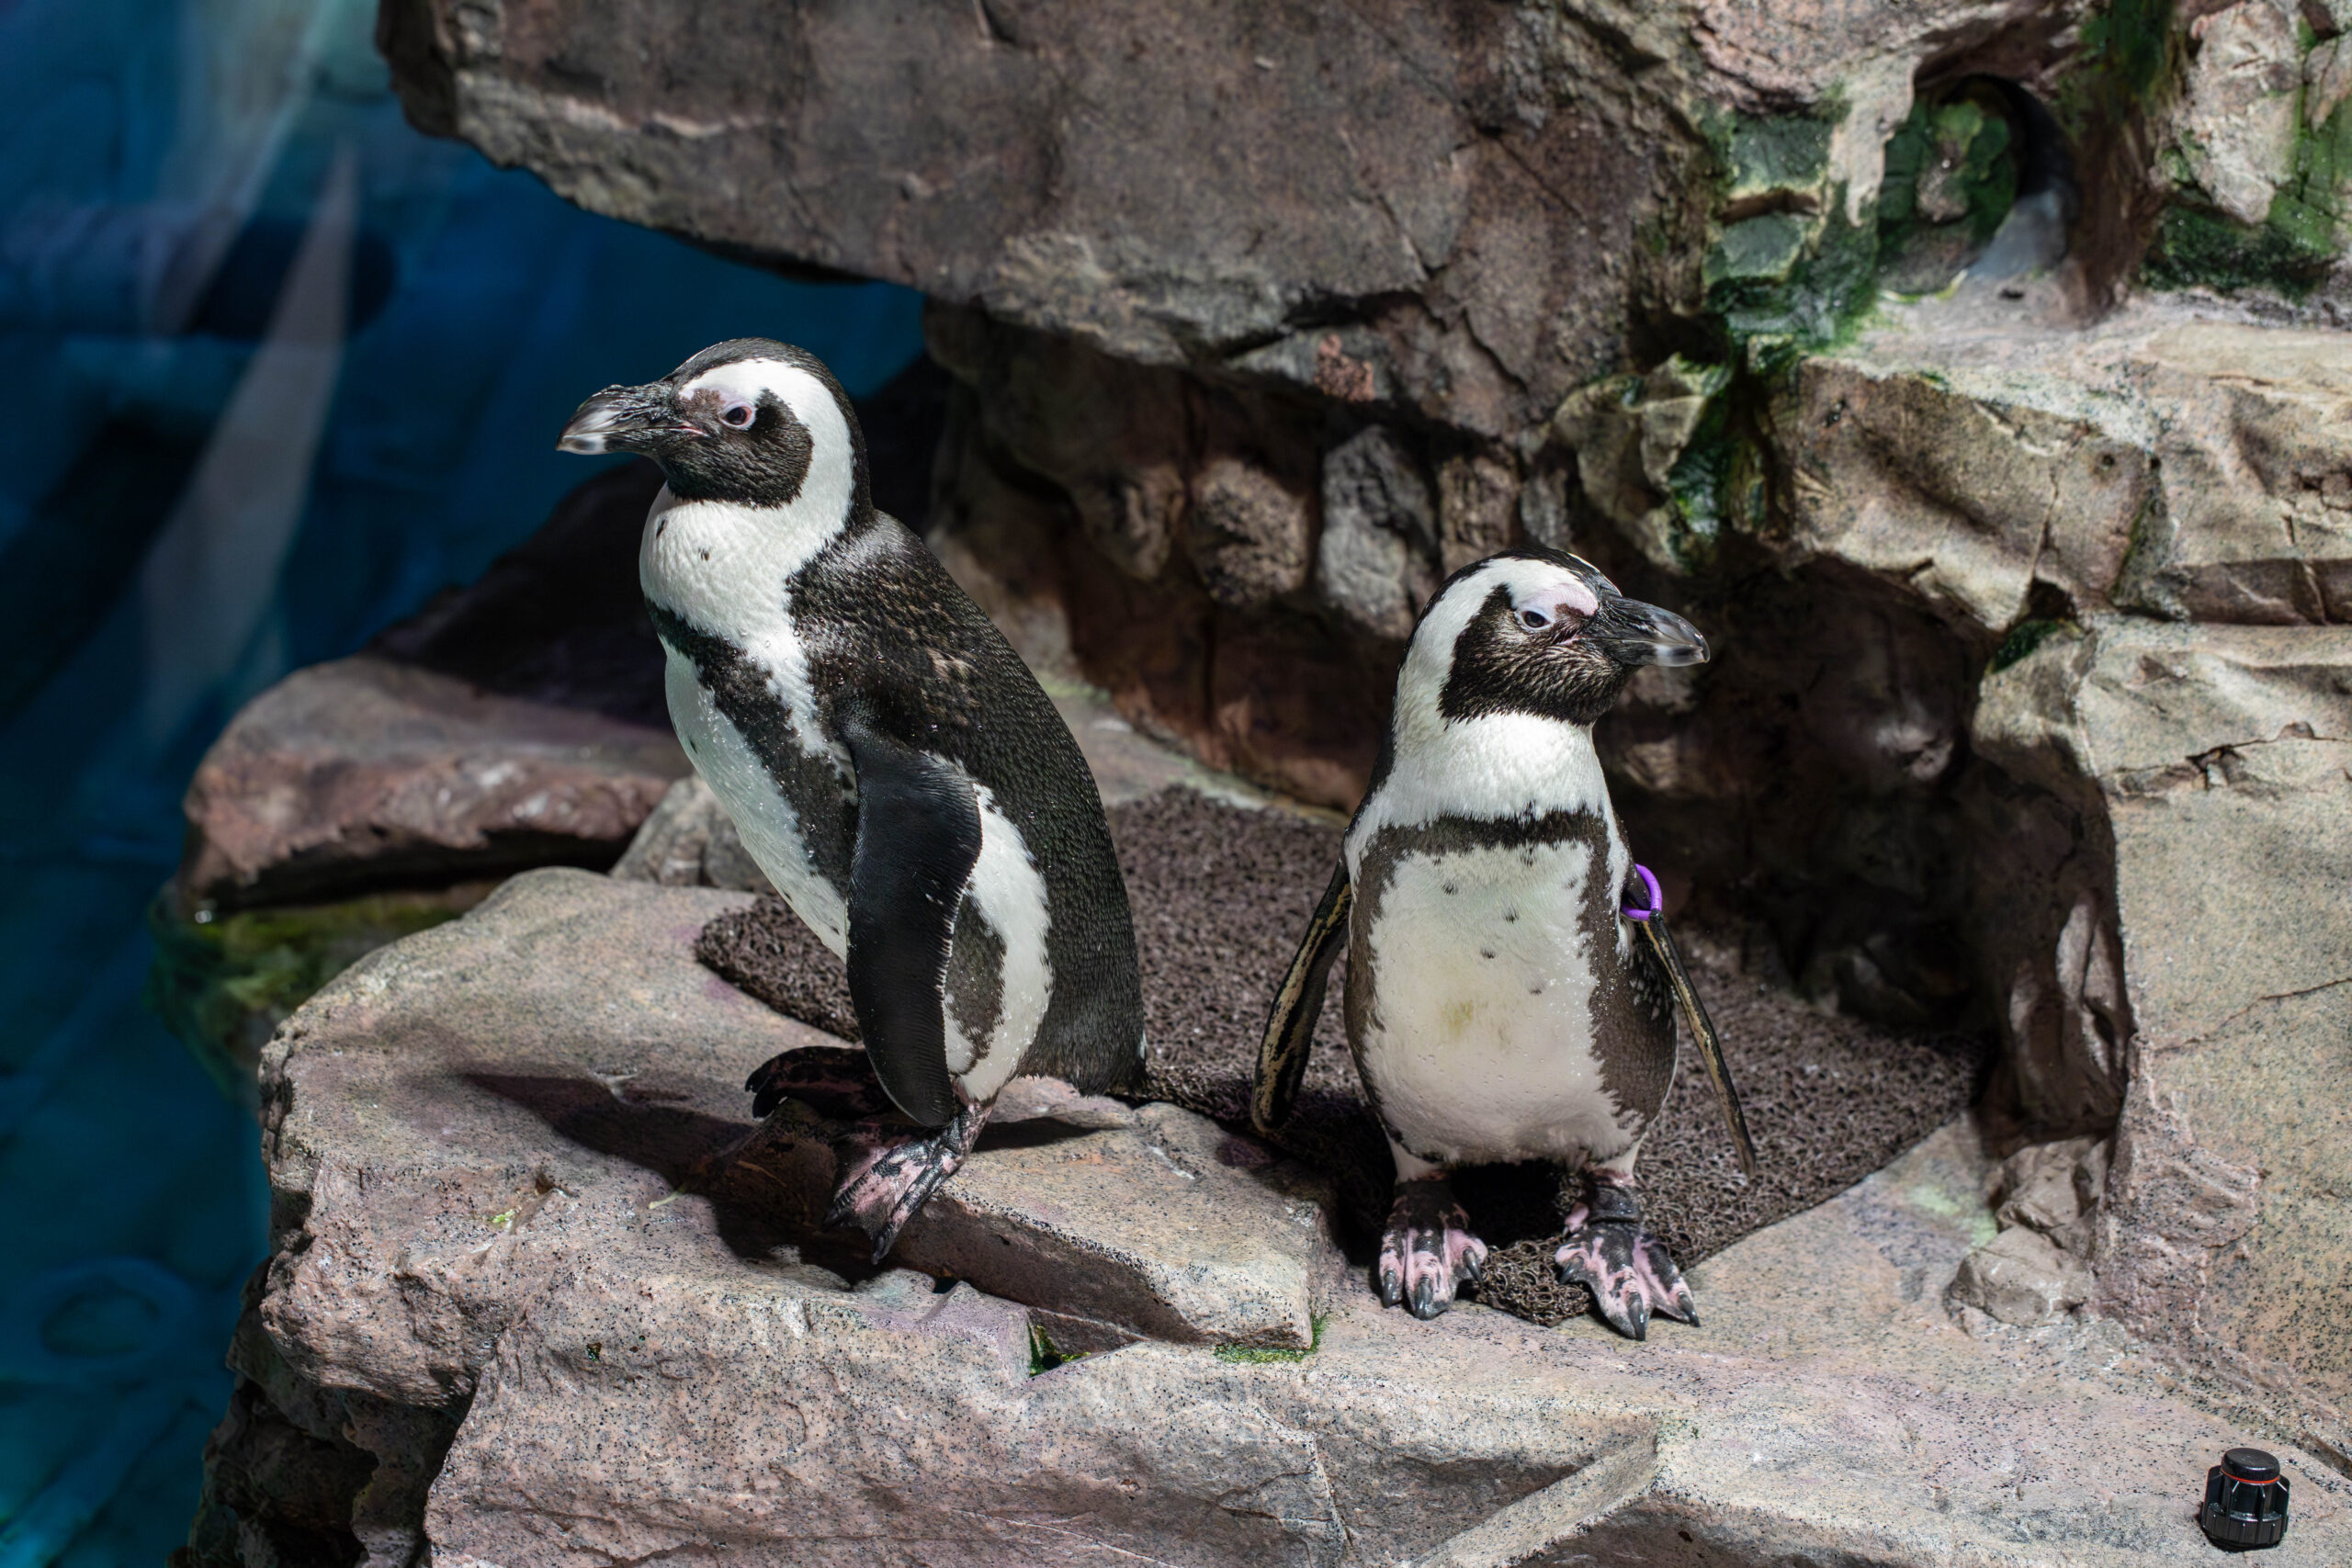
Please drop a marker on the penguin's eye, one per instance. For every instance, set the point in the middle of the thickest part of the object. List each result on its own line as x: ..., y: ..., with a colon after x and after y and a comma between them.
x: 1534, y: 620
x: 737, y: 415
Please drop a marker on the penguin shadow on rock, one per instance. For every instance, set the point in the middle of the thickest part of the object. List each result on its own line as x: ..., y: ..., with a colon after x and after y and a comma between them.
x: 761, y: 1181
x: 1499, y: 1006
x: 891, y: 765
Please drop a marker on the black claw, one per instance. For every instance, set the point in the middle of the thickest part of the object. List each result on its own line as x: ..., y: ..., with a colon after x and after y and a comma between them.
x: 1392, y: 1288
x: 1425, y: 1302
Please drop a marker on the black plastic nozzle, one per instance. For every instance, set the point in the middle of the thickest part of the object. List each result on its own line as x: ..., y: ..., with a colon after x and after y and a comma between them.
x: 2245, y: 1500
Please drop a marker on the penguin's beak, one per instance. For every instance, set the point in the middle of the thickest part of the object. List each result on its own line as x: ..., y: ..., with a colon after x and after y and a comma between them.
x: 1636, y: 634
x: 623, y: 419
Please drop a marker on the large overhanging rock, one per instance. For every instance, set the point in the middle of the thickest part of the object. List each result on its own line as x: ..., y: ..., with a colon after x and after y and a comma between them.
x: 541, y: 1296
x: 1202, y: 185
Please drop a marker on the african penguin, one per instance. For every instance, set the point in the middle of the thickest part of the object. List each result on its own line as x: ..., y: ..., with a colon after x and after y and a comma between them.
x: 890, y: 762
x: 1498, y: 1005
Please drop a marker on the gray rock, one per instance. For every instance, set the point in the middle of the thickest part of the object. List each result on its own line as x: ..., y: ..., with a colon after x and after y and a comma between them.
x: 690, y: 841
x: 1251, y: 536
x: 2021, y: 1276
x: 1478, y: 504
x: 2048, y: 1187
x: 1150, y: 1224
x: 532, y: 1304
x: 367, y: 773
x: 2236, y: 124
x: 2213, y: 762
x: 1967, y: 487
x: 1489, y: 153
x: 1376, y: 561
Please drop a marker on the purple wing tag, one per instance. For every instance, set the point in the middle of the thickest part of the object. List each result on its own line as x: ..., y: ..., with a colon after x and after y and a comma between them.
x: 1657, y: 899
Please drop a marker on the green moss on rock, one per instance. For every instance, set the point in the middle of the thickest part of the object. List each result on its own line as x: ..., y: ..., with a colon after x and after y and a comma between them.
x: 223, y: 983
x: 2299, y: 242
x: 1777, y: 153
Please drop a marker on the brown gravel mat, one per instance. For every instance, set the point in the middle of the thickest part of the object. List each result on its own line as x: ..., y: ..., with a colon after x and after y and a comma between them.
x: 1220, y: 896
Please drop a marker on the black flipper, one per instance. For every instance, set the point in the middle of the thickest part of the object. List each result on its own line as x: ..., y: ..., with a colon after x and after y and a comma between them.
x: 1703, y: 1029
x: 1289, y: 1028
x: 918, y: 836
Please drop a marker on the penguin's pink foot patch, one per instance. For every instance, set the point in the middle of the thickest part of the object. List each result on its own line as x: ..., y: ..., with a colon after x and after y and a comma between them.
x: 835, y: 1081
x: 1628, y: 1271
x: 1428, y: 1251
x: 888, y: 1173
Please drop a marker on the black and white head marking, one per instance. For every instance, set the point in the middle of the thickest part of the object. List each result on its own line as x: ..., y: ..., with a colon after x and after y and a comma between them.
x: 740, y: 421
x: 1549, y: 635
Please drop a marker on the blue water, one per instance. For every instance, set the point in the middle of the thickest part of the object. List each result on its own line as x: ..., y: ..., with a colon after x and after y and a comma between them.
x: 484, y: 308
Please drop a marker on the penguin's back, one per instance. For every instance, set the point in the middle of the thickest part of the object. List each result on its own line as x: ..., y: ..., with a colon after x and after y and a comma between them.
x: 885, y: 627
x: 1494, y: 1005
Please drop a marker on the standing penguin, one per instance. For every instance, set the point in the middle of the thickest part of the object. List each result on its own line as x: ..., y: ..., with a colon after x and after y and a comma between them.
x: 1499, y: 1006
x: 891, y: 765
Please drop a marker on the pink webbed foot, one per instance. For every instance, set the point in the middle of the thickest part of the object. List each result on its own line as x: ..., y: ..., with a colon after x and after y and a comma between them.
x: 1428, y: 1249
x: 835, y: 1081
x: 1628, y: 1271
x: 887, y: 1172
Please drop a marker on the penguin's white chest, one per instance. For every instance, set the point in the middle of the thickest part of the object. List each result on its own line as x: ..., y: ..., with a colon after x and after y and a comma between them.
x: 1476, y: 1018
x: 725, y: 570
x: 770, y: 823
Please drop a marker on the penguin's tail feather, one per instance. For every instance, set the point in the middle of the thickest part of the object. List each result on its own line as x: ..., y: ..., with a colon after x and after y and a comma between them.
x: 1290, y: 1027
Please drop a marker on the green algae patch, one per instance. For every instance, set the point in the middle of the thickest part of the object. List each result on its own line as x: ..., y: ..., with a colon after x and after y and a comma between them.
x: 1261, y: 1356
x: 1784, y: 260
x: 222, y: 983
x: 1951, y: 177
x: 1766, y: 248
x: 1774, y: 155
x: 1045, y: 1355
x: 2290, y: 252
x: 2022, y: 640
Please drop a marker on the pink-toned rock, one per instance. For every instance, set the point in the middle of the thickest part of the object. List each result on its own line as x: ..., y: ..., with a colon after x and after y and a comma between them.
x: 532, y: 1307
x: 515, y: 722
x: 366, y: 773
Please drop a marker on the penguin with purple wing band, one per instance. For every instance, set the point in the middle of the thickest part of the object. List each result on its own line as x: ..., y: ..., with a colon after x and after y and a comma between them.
x: 1499, y: 1006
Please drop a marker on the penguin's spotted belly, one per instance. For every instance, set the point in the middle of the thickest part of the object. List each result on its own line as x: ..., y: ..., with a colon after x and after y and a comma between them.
x: 1477, y: 1006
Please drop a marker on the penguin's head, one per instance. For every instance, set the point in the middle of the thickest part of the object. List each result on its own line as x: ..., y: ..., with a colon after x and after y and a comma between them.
x: 1538, y: 631
x: 753, y: 422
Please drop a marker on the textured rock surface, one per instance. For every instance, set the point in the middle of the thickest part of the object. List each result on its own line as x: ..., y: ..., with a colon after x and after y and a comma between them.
x: 2219, y: 762
x: 363, y: 771
x: 1172, y: 188
x: 531, y: 1304
x: 516, y: 722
